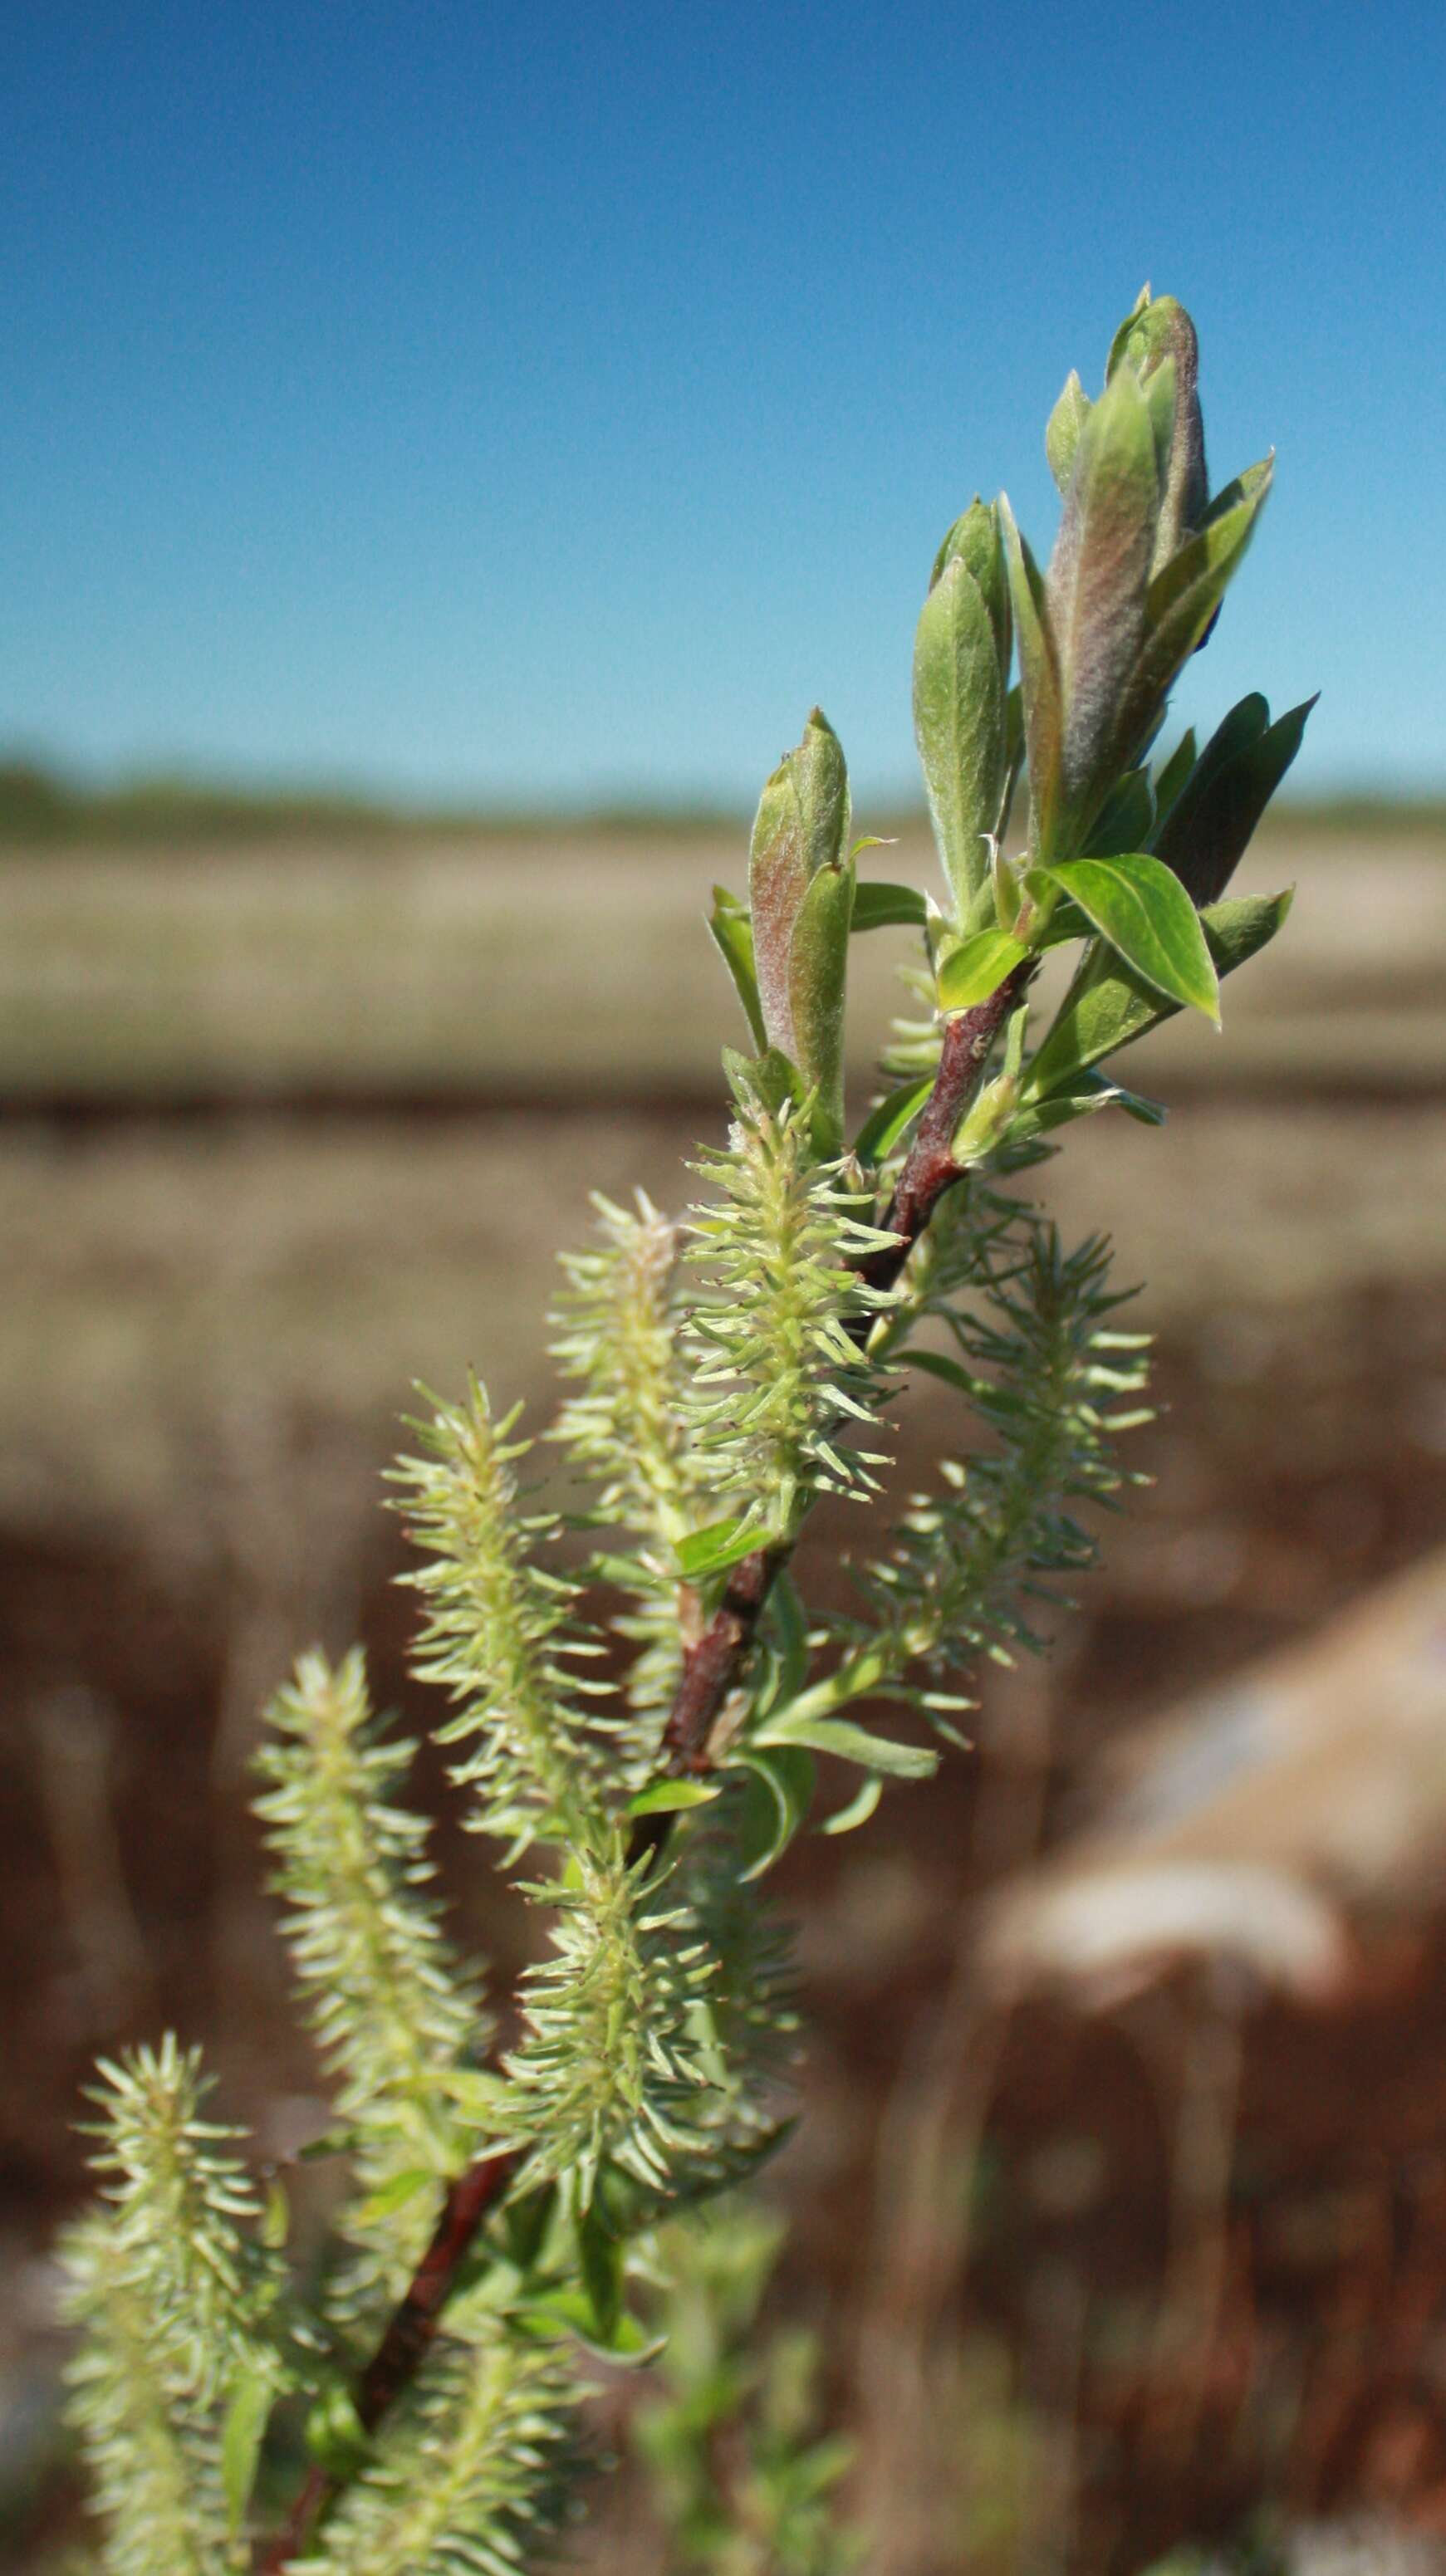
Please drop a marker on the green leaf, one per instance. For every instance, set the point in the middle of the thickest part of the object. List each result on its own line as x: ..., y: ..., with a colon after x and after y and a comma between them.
x: 881, y: 906
x: 787, y: 1615
x: 1119, y: 346
x: 1205, y: 836
x: 959, y: 724
x: 719, y: 1545
x: 481, y: 2097
x: 733, y: 934
x: 939, y: 1364
x: 1039, y: 677
x: 1172, y: 776
x: 885, y: 1124
x: 394, y: 2193
x: 1183, y: 600
x: 1062, y: 436
x: 626, y: 2341
x: 1108, y: 1007
x: 846, y: 1820
x: 671, y: 1797
x: 1065, y: 922
x: 253, y: 2394
x: 335, y: 2435
x: 977, y: 968
x: 1125, y: 820
x: 780, y: 1793
x: 600, y: 2263
x: 761, y: 1081
x: 1149, y: 920
x: 1080, y: 1098
x: 848, y: 1743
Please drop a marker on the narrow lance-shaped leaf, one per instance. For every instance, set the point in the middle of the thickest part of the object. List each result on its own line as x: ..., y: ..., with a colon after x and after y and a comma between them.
x: 1149, y: 920
x: 1108, y: 1006
x: 1039, y: 679
x: 1172, y: 776
x: 1207, y: 832
x: 1182, y: 603
x: 732, y: 933
x: 879, y: 905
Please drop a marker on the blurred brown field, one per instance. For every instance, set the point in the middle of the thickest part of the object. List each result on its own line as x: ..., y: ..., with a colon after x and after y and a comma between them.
x: 287, y: 1129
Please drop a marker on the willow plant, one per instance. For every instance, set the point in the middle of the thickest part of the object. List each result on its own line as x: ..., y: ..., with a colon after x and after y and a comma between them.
x: 640, y: 1722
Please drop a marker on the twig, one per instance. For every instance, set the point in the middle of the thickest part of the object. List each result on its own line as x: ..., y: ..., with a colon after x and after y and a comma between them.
x: 711, y: 1670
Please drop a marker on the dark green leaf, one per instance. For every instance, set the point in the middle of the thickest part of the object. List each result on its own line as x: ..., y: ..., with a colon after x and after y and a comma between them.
x: 733, y: 932
x: 1171, y: 778
x: 1080, y: 1098
x: 939, y: 1364
x: 721, y: 1544
x: 1108, y: 1008
x: 1208, y: 831
x: 788, y: 1617
x: 600, y: 2263
x: 1182, y: 602
x: 1039, y: 676
x: 1147, y: 917
x: 880, y: 906
x: 1125, y: 820
x: 885, y: 1124
x: 780, y: 1792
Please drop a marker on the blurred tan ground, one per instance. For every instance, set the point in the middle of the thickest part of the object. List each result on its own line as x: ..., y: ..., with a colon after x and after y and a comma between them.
x: 286, y: 1131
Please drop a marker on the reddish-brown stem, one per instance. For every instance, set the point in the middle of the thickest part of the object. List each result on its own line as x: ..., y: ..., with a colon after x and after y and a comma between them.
x: 712, y: 1668
x: 409, y: 2331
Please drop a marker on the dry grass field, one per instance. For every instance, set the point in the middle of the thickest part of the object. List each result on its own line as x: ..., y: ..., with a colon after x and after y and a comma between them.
x: 287, y: 1128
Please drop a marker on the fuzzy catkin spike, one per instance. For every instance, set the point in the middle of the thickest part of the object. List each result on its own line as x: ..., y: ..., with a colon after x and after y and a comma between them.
x: 182, y: 2211
x: 393, y: 2012
x: 473, y: 2479
x: 617, y: 1327
x: 493, y: 1629
x: 776, y: 1328
x: 1045, y: 1371
x: 610, y: 2071
x: 153, y: 2459
x: 624, y: 1429
x: 173, y: 2296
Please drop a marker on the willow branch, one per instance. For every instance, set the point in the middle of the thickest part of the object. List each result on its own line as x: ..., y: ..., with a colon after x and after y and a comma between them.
x: 712, y: 1670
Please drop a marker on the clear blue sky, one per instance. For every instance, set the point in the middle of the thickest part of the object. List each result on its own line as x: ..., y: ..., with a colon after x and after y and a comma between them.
x: 550, y: 402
